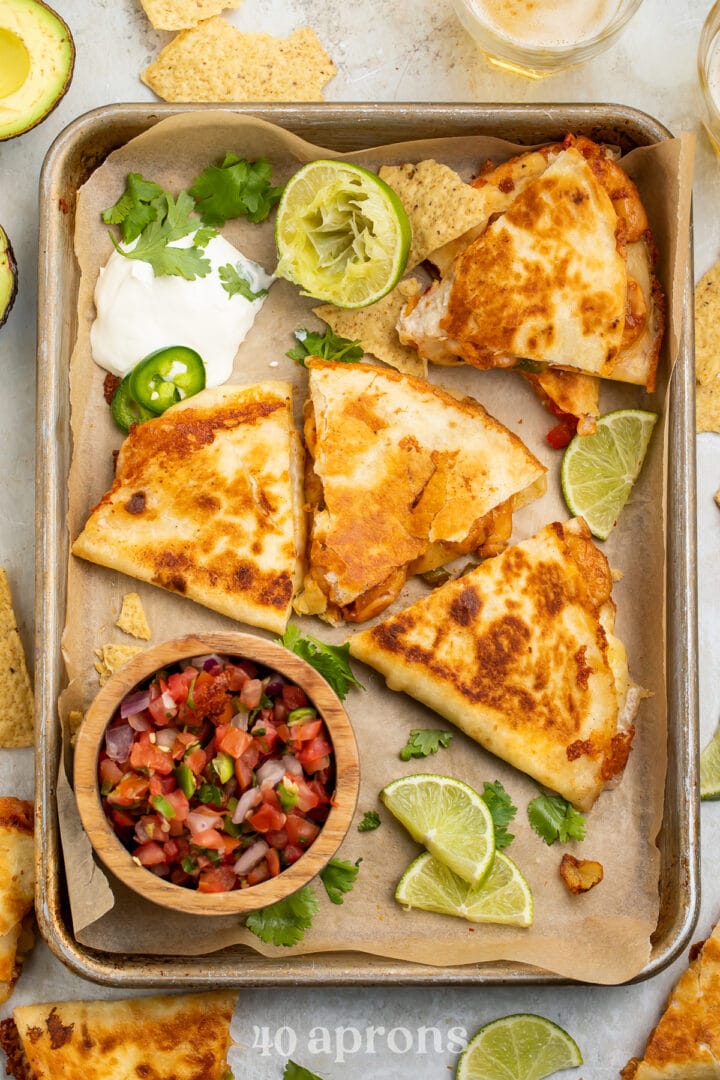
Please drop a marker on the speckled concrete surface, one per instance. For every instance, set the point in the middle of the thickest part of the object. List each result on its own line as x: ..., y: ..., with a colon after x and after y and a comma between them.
x: 385, y: 50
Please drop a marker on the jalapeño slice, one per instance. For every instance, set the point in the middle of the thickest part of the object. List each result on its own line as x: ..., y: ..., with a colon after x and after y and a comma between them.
x: 167, y: 376
x: 125, y: 410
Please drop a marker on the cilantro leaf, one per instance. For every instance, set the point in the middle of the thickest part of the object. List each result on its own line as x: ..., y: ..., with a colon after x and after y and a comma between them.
x: 424, y: 741
x: 338, y: 877
x: 502, y: 811
x: 371, y: 820
x: 293, y: 1071
x: 328, y: 346
x: 237, y: 188
x: 553, y: 818
x: 135, y: 208
x: 332, y: 661
x: 172, y: 223
x: 235, y: 279
x: 285, y: 922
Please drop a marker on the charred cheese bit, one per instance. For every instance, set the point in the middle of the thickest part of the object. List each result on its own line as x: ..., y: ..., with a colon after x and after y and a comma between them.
x: 518, y: 654
x: 580, y: 875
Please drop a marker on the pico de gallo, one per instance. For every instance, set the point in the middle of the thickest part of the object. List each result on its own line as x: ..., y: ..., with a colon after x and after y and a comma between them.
x: 216, y: 773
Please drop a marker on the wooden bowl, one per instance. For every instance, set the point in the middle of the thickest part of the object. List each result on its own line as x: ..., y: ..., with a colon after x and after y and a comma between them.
x: 111, y: 849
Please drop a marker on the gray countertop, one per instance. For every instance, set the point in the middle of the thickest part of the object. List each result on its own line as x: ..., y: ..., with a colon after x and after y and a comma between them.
x: 385, y: 50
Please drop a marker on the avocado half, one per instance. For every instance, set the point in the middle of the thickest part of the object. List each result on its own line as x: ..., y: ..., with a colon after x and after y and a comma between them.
x: 8, y: 276
x: 37, y: 56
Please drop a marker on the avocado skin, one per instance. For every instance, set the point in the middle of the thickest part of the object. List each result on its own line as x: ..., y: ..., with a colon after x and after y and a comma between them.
x: 8, y: 276
x: 45, y: 21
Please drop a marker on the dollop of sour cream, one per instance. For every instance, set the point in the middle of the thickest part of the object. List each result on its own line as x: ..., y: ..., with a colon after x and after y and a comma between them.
x: 138, y: 313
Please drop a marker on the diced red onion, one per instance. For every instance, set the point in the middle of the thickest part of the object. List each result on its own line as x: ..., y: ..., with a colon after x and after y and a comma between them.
x: 271, y: 772
x: 118, y: 742
x: 199, y: 662
x: 168, y: 701
x: 292, y: 765
x: 140, y: 722
x: 240, y: 720
x: 247, y: 801
x: 213, y: 664
x: 136, y: 702
x: 200, y: 820
x: 251, y: 857
x: 166, y: 737
x: 274, y: 685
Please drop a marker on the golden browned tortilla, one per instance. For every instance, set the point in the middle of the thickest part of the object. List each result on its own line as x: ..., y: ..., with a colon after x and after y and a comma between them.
x: 685, y: 1045
x: 207, y: 502
x: 183, y: 1037
x: 520, y: 654
x: 17, y: 881
x: 402, y: 477
x: 561, y: 273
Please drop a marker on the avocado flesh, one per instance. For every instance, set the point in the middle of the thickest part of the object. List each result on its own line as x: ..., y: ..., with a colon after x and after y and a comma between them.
x: 37, y: 55
x: 8, y: 276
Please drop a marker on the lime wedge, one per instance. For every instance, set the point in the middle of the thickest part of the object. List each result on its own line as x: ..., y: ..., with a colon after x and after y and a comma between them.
x: 503, y: 897
x: 449, y: 818
x: 518, y: 1047
x: 710, y: 768
x: 598, y: 471
x: 342, y: 234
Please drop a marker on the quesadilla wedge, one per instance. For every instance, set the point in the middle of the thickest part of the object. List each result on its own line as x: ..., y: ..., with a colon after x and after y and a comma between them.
x: 520, y: 654
x: 402, y: 477
x: 561, y: 275
x: 186, y: 1037
x: 685, y: 1044
x: 207, y: 502
x: 17, y: 882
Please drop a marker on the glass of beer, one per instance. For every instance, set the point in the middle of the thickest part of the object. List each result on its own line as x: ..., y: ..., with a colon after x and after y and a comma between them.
x: 539, y: 37
x: 709, y: 74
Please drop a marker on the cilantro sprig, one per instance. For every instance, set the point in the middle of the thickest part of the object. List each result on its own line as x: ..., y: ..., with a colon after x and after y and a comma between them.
x: 285, y: 922
x: 235, y: 188
x: 425, y: 741
x: 370, y: 821
x: 502, y: 810
x: 338, y: 877
x: 553, y: 818
x: 173, y: 222
x: 235, y: 279
x: 135, y: 208
x: 332, y: 661
x: 328, y: 346
x: 293, y: 1071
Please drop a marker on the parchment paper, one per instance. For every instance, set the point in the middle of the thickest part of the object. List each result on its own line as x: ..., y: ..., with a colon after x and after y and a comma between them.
x: 602, y: 936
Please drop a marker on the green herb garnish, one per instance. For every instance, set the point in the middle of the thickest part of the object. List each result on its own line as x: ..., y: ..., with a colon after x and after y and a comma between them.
x: 338, y: 877
x: 135, y: 208
x: 237, y: 188
x: 328, y: 346
x: 371, y: 820
x: 553, y: 818
x: 293, y: 1071
x: 502, y: 811
x: 173, y: 222
x: 332, y: 661
x: 285, y: 922
x: 424, y: 741
x: 235, y: 279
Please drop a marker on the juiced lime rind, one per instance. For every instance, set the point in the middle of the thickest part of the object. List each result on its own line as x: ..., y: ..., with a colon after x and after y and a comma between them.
x: 342, y: 234
x: 710, y: 768
x: 504, y: 896
x: 522, y: 1046
x: 449, y: 818
x: 598, y: 471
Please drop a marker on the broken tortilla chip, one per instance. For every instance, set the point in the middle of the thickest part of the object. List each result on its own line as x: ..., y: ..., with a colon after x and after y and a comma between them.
x: 439, y: 204
x: 375, y: 328
x: 111, y: 658
x: 217, y: 62
x: 132, y: 619
x: 16, y: 703
x: 707, y: 406
x: 183, y: 14
x: 707, y: 327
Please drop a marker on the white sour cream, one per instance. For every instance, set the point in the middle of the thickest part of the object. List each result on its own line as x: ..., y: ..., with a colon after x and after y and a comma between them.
x: 138, y: 313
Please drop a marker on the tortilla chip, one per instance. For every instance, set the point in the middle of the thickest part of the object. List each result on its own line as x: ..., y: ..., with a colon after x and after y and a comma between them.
x: 182, y: 14
x: 707, y: 406
x: 111, y: 658
x: 717, y: 498
x: 707, y: 327
x: 16, y: 701
x: 132, y: 619
x: 217, y: 62
x: 440, y: 205
x: 374, y: 328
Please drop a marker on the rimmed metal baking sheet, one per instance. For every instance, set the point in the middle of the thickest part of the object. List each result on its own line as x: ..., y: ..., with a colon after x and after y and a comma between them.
x: 78, y: 150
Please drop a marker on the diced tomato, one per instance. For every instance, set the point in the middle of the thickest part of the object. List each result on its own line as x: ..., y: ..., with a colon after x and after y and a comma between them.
x: 161, y: 713
x: 283, y: 732
x: 267, y: 818
x: 209, y: 838
x: 145, y: 755
x: 230, y: 844
x: 179, y: 802
x: 277, y: 838
x: 292, y: 853
x: 130, y: 792
x: 308, y: 799
x: 243, y: 773
x: 217, y: 879
x: 258, y: 873
x: 162, y: 785
x: 150, y: 854
x: 122, y: 820
x: 196, y: 760
x: 293, y: 697
x: 179, y: 684
x: 280, y: 712
x: 251, y: 693
x: 172, y: 850
x: 184, y: 740
x: 270, y: 797
x: 316, y: 785
x: 300, y: 831
x: 234, y: 741
x: 273, y: 862
x: 110, y: 773
x: 236, y: 677
x: 561, y: 435
x: 312, y: 754
x: 304, y: 732
x: 179, y: 877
